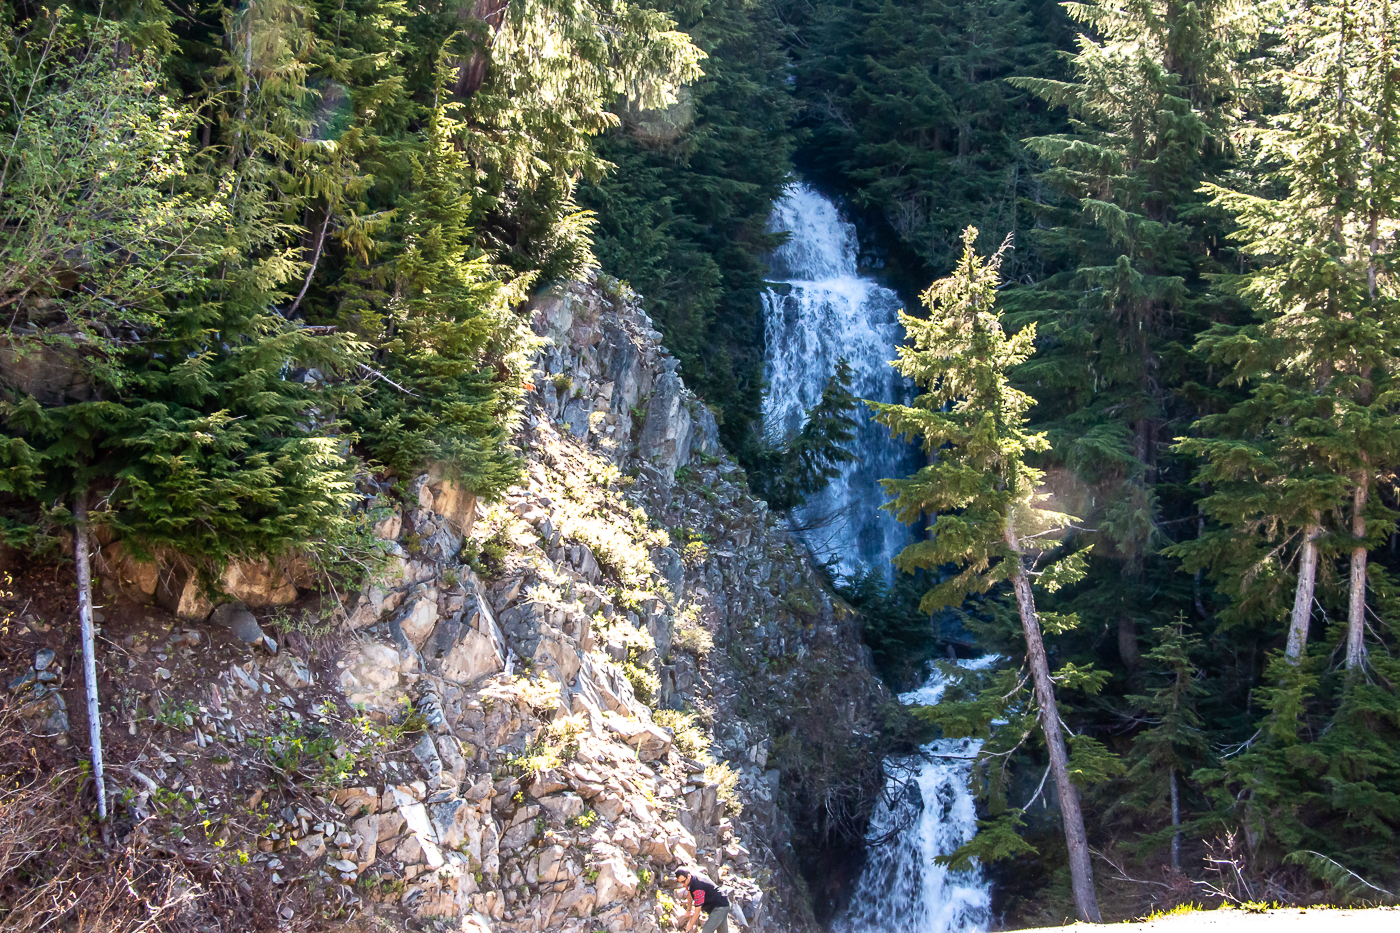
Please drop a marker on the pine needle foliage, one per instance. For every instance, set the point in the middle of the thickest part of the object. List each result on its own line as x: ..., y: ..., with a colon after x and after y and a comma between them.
x: 785, y: 473
x: 971, y: 422
x: 683, y: 215
x: 152, y: 374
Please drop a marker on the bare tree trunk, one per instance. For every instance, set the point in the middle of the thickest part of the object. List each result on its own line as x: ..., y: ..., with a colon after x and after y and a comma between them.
x: 1196, y: 580
x: 1176, y: 824
x: 471, y: 74
x: 1081, y: 869
x: 80, y: 557
x: 1128, y: 643
x: 1303, y: 596
x: 1356, y: 610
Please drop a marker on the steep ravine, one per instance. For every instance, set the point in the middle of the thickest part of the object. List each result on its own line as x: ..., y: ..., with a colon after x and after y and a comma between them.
x: 625, y: 664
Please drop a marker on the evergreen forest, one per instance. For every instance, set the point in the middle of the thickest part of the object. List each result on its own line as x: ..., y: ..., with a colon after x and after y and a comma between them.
x: 252, y: 251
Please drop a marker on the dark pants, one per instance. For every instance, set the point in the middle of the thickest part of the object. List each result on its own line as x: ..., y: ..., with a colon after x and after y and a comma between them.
x: 717, y: 921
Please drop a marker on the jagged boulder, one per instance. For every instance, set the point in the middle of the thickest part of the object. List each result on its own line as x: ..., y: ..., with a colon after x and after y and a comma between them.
x: 468, y: 645
x: 665, y: 440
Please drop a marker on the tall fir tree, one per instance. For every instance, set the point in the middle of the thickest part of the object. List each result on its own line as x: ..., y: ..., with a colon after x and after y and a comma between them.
x: 1319, y: 428
x: 1131, y: 244
x: 449, y: 366
x: 985, y: 499
x: 1175, y: 743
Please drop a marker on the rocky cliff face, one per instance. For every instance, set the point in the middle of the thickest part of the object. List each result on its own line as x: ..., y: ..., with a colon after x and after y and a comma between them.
x: 623, y: 663
x: 533, y: 712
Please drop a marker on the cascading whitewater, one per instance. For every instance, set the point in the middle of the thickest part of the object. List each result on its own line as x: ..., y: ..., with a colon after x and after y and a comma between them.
x: 822, y: 312
x: 927, y: 810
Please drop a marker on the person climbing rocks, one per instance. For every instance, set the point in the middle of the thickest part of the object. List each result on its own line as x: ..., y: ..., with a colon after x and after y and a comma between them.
x: 704, y: 896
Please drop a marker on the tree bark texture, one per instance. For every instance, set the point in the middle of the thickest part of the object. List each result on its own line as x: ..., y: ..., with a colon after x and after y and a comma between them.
x: 1176, y: 823
x: 1081, y: 869
x: 1128, y: 643
x: 471, y: 74
x: 1303, y: 596
x: 80, y: 557
x: 1356, y: 609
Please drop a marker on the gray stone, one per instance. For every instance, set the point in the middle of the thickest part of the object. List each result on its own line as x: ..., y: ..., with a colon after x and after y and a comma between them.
x: 518, y: 836
x: 665, y: 440
x: 576, y: 414
x: 418, y: 616
x: 237, y: 619
x: 426, y: 753
x: 469, y: 645
x: 552, y: 866
x: 450, y: 821
x: 704, y: 432
x: 562, y: 807
x: 293, y: 672
x: 454, y: 766
x: 43, y: 658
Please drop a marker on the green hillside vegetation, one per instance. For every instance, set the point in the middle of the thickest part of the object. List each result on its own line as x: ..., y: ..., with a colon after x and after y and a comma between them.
x: 253, y: 248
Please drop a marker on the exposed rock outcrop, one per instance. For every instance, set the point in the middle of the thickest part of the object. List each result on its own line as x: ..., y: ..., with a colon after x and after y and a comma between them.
x: 535, y: 708
x: 610, y: 658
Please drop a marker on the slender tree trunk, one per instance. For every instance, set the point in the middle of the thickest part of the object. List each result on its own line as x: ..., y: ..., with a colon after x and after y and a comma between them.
x: 1128, y: 643
x: 1176, y: 824
x: 80, y: 557
x: 1196, y: 580
x: 1356, y: 610
x: 471, y: 74
x: 1303, y: 596
x: 1081, y: 869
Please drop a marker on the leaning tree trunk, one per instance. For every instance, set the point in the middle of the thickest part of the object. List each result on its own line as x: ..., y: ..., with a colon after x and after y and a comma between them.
x: 80, y: 557
x: 1081, y: 869
x: 1356, y: 609
x: 1303, y: 596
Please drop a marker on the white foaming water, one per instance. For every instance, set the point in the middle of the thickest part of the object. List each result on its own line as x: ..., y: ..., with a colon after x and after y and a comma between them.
x: 926, y: 811
x: 824, y: 312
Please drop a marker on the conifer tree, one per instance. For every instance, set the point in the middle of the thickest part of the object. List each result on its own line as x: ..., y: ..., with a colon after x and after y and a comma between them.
x: 984, y: 496
x: 140, y: 362
x: 788, y: 470
x: 1175, y: 744
x: 151, y: 371
x: 1320, y: 426
x: 1129, y: 248
x: 449, y: 366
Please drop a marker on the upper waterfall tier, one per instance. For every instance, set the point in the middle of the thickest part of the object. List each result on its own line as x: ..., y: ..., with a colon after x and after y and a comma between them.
x: 824, y: 312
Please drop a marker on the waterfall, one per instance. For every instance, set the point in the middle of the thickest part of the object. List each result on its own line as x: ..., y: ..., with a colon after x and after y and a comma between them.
x: 820, y: 312
x: 927, y: 810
